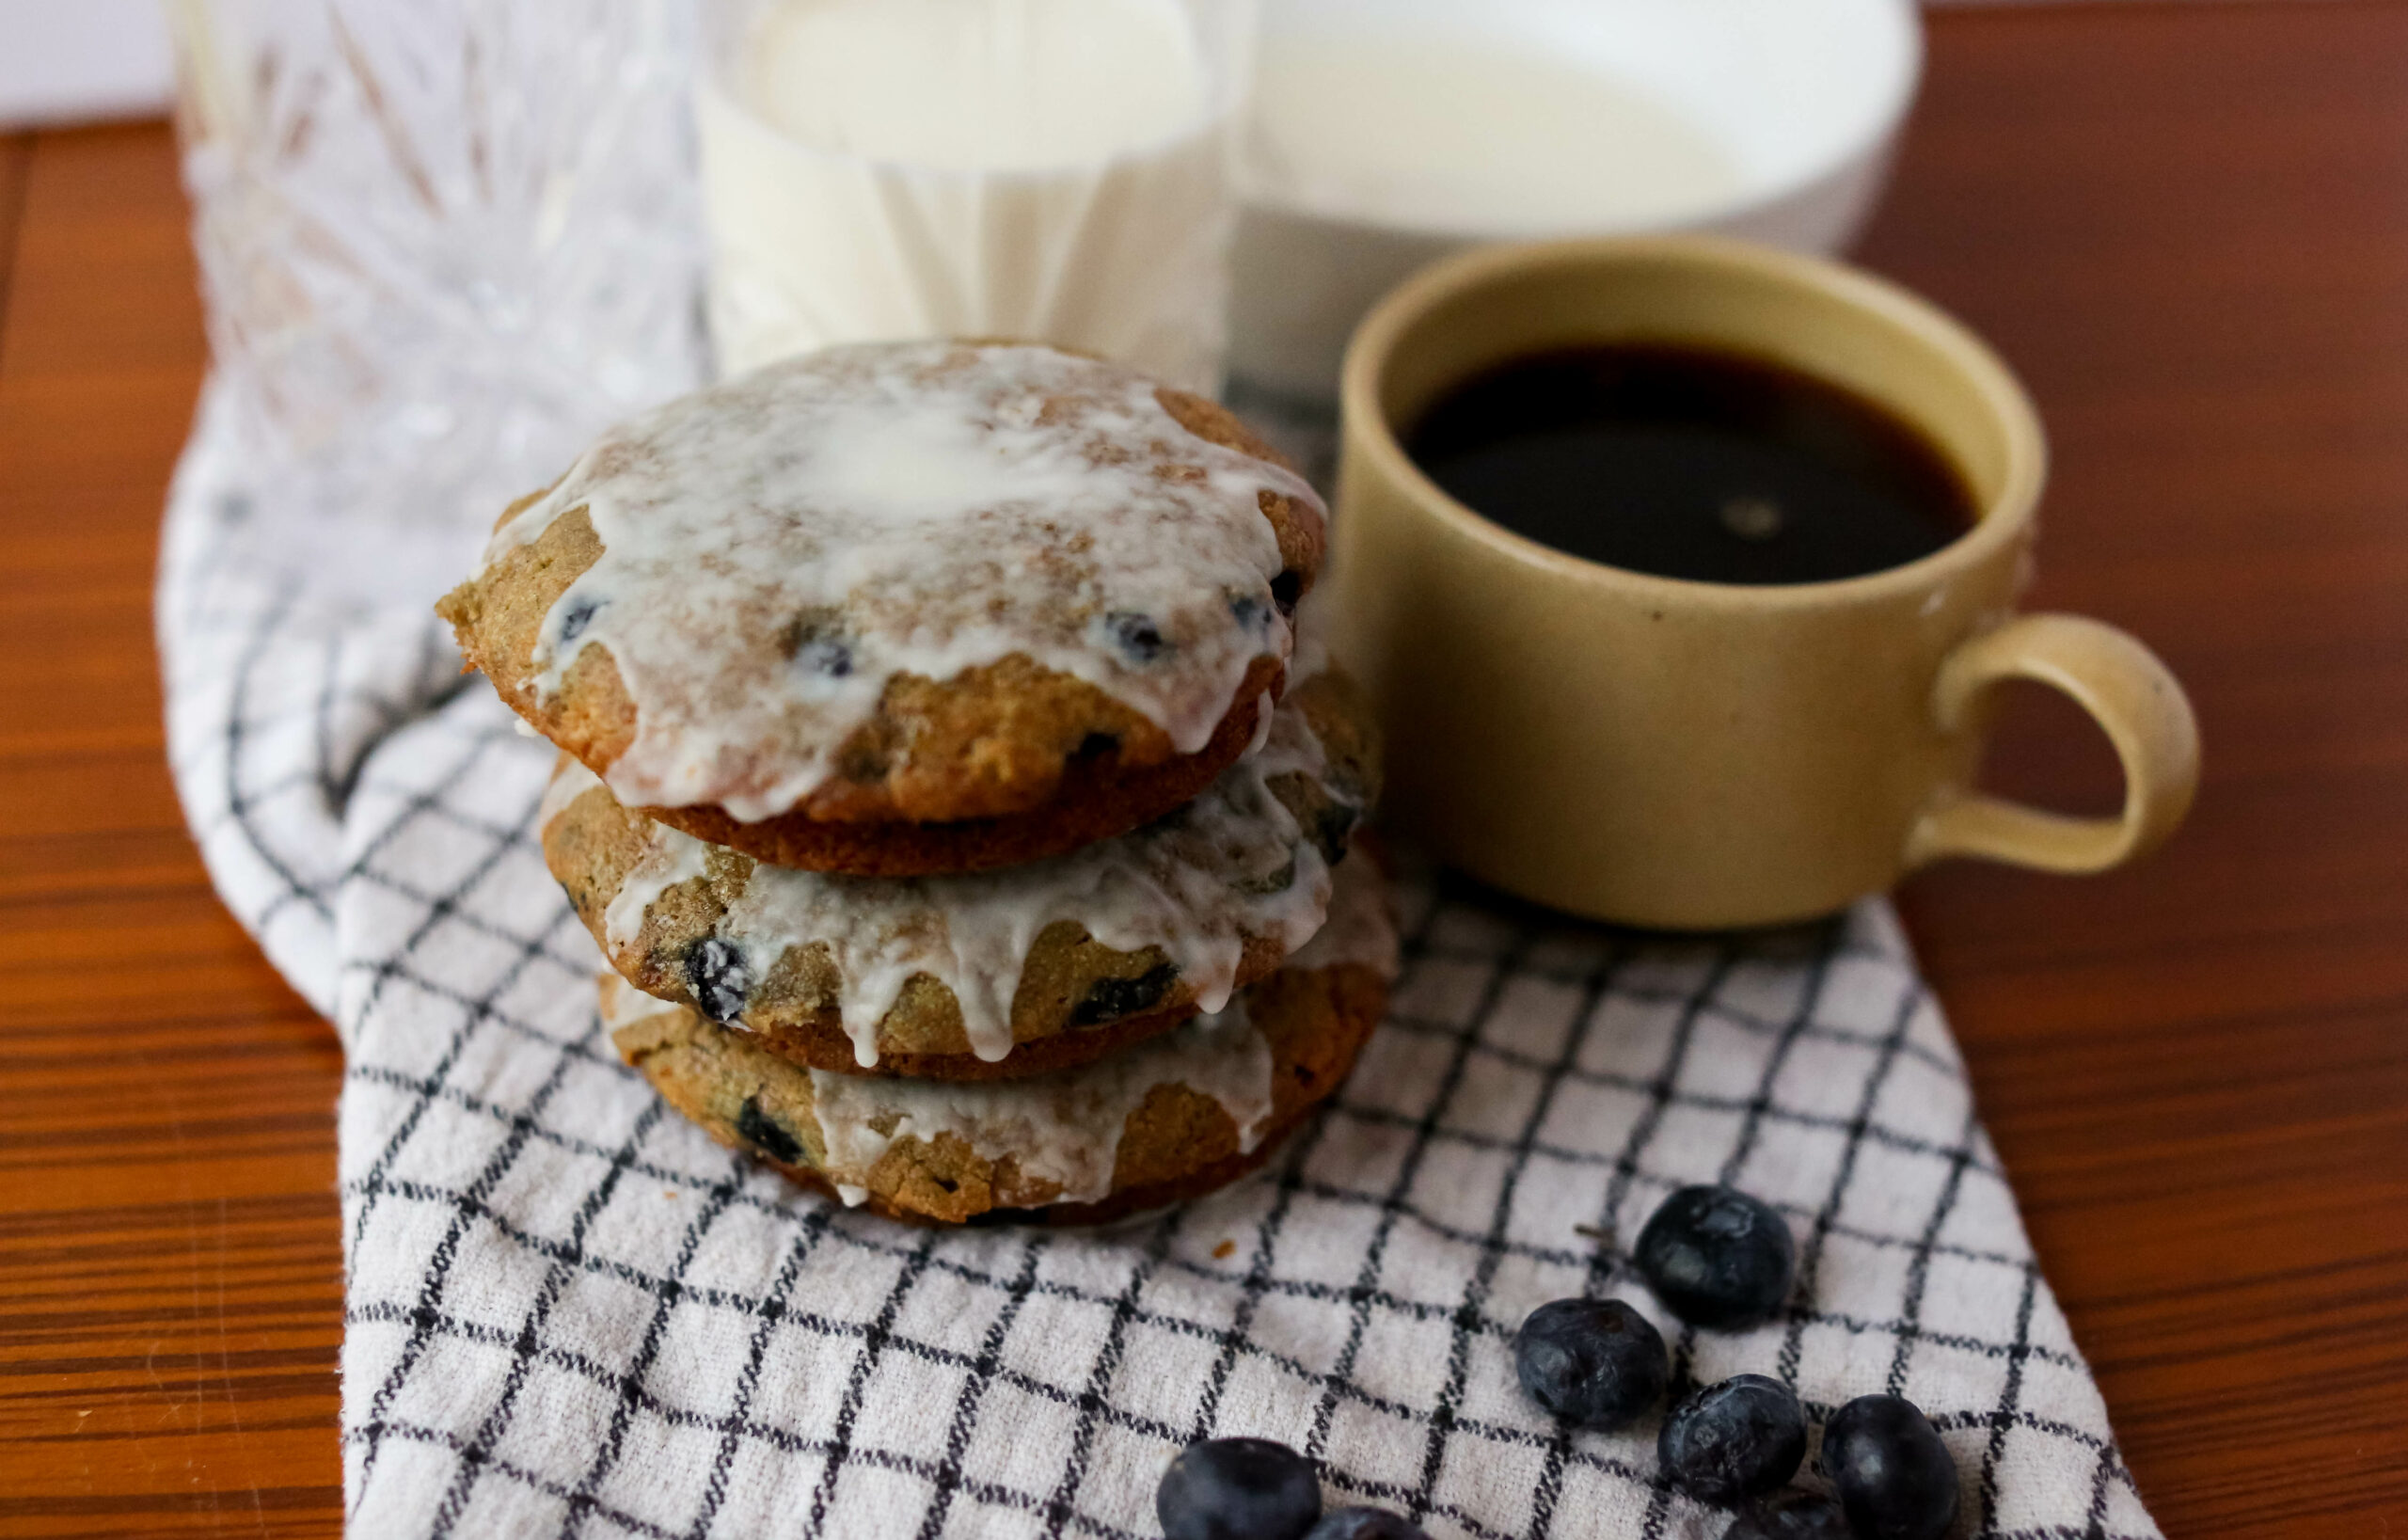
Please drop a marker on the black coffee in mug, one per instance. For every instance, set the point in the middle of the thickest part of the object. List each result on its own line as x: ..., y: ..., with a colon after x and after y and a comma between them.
x: 1692, y: 463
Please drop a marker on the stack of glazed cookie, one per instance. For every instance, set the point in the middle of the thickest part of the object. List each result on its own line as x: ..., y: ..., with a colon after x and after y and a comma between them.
x: 964, y: 824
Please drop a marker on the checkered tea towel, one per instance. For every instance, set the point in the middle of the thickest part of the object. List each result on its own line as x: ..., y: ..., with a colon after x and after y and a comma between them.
x: 569, y: 1312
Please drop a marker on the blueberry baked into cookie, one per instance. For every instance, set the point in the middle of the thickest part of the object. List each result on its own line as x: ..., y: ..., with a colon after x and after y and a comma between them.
x: 967, y: 826
x: 902, y: 608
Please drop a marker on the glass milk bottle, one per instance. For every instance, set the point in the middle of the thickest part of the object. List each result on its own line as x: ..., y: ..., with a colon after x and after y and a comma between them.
x: 1056, y: 171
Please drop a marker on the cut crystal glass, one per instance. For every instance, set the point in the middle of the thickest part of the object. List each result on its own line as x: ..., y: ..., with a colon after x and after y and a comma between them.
x: 443, y: 243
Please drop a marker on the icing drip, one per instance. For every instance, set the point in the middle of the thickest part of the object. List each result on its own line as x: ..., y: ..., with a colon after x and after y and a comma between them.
x: 570, y: 780
x: 663, y: 866
x: 778, y: 547
x: 1265, y: 712
x: 1310, y: 658
x: 1063, y: 1128
x: 1360, y: 930
x: 1233, y: 864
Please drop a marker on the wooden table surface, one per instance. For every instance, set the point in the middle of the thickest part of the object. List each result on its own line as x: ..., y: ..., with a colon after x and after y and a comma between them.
x: 2187, y: 225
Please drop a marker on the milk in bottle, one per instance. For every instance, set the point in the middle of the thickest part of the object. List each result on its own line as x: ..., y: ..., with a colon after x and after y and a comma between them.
x: 1048, y: 169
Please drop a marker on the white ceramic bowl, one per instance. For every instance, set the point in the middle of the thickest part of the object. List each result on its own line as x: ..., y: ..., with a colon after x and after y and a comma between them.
x: 1802, y: 99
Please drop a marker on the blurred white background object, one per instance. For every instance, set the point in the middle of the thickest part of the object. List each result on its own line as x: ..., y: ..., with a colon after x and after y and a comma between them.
x: 1387, y: 134
x: 1048, y: 170
x: 71, y: 61
x: 443, y: 243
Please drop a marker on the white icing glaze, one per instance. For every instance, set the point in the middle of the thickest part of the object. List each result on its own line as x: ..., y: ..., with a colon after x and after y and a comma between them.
x: 662, y: 868
x: 1359, y: 930
x: 1265, y: 711
x: 1196, y: 885
x: 1062, y: 1128
x: 1065, y: 1127
x: 570, y: 780
x: 1310, y: 655
x: 778, y: 547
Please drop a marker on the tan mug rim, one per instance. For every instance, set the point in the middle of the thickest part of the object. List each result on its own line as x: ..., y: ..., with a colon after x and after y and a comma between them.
x: 2003, y: 517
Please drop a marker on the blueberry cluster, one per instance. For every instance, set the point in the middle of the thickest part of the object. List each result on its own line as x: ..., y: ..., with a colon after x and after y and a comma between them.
x: 1718, y: 1259
x: 1723, y: 1260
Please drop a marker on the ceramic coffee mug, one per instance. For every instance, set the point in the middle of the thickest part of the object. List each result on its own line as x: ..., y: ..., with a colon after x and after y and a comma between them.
x: 1668, y: 752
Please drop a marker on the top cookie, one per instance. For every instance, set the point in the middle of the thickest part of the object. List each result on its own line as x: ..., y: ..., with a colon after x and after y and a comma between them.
x: 902, y: 583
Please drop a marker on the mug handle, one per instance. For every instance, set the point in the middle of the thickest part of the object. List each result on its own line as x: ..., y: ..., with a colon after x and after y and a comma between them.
x: 2126, y: 691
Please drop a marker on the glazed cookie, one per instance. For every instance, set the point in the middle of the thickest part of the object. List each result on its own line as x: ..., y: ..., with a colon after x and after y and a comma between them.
x: 987, y: 974
x: 1166, y: 1121
x: 904, y: 607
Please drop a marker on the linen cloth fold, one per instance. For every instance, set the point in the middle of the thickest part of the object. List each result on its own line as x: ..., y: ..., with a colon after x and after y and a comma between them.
x: 568, y: 1312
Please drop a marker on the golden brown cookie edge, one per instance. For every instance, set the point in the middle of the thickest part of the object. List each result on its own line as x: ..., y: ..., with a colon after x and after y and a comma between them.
x: 1307, y: 1066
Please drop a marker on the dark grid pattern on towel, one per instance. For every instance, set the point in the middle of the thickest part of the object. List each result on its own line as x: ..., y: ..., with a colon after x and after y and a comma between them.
x: 571, y: 1314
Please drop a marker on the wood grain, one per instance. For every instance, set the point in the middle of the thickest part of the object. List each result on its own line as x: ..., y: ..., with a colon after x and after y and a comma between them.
x: 170, y: 1292
x: 2186, y: 228
x: 2186, y: 225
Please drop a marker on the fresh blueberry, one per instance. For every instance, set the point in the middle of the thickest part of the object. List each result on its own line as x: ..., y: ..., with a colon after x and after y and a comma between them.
x: 1595, y: 1362
x: 1366, y: 1524
x: 1737, y: 1440
x: 1138, y: 637
x: 1895, y: 1476
x: 1791, y: 1516
x: 765, y: 1134
x: 1238, y: 1489
x: 575, y: 618
x: 1286, y: 589
x: 716, y: 973
x: 1718, y: 1257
